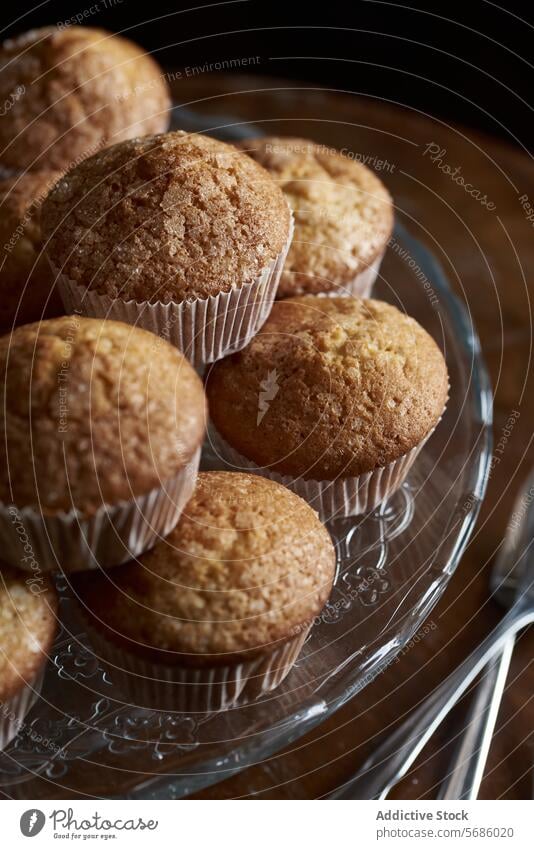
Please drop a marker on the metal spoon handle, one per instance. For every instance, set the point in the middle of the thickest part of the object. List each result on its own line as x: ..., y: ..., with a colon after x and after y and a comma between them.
x: 394, y: 757
x: 467, y: 766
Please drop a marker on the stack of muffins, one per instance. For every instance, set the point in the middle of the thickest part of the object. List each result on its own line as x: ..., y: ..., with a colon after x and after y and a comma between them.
x: 173, y: 252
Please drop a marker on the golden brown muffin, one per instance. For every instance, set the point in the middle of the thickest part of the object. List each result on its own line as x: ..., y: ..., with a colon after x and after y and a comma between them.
x: 166, y: 218
x: 248, y: 567
x: 28, y: 620
x: 26, y: 281
x: 72, y: 91
x: 93, y: 411
x: 343, y: 213
x: 350, y: 385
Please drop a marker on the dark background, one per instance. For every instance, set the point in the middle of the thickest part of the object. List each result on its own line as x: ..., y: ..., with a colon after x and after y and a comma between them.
x: 465, y: 63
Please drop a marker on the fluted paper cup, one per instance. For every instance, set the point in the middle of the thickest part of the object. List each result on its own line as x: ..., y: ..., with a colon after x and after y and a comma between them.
x: 332, y: 499
x: 13, y: 711
x: 186, y: 689
x: 203, y: 329
x: 72, y: 541
x: 362, y: 285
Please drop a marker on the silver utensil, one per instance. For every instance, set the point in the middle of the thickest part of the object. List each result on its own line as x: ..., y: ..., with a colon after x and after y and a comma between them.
x: 394, y: 757
x: 467, y: 766
x: 468, y: 763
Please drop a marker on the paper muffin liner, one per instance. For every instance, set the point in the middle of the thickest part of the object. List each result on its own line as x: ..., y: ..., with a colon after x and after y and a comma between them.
x: 183, y: 689
x: 14, y: 710
x: 335, y: 499
x: 362, y: 285
x: 73, y: 541
x: 203, y: 329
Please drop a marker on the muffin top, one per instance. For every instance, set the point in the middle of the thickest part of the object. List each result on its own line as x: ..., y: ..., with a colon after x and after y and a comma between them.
x: 28, y: 618
x: 22, y: 262
x: 169, y: 217
x: 73, y: 90
x: 248, y: 565
x: 330, y: 387
x: 93, y: 411
x: 343, y: 212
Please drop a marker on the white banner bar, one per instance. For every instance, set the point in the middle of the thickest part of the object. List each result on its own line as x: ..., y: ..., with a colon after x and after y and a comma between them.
x: 256, y: 824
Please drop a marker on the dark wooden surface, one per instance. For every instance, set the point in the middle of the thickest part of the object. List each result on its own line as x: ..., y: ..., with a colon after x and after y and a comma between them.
x: 489, y: 254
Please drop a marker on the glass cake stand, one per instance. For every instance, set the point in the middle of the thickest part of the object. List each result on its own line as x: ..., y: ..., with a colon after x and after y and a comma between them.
x: 393, y: 566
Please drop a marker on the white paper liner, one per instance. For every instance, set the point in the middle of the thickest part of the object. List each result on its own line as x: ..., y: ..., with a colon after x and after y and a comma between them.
x: 14, y: 710
x: 183, y: 689
x: 71, y: 542
x: 204, y: 329
x: 331, y: 499
x: 361, y: 286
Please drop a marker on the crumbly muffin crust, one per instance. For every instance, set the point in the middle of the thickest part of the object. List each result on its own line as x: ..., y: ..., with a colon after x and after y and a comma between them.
x: 351, y: 384
x: 26, y: 280
x: 73, y: 91
x: 248, y: 565
x: 28, y: 622
x: 343, y: 212
x: 93, y: 411
x: 166, y: 218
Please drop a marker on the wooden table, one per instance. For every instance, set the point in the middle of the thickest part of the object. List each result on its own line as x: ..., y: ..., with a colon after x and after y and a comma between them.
x: 481, y: 235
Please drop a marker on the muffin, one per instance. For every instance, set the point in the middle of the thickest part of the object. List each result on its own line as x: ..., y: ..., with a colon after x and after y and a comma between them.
x: 178, y: 233
x: 27, y: 290
x: 343, y: 216
x: 334, y: 398
x: 71, y: 91
x: 28, y: 618
x: 101, y: 427
x: 217, y: 613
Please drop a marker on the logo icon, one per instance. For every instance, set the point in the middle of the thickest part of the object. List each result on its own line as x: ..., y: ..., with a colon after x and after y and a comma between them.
x: 32, y: 822
x: 268, y: 391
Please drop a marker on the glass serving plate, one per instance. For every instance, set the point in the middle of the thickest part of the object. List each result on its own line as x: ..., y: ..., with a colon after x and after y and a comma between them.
x: 393, y: 566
